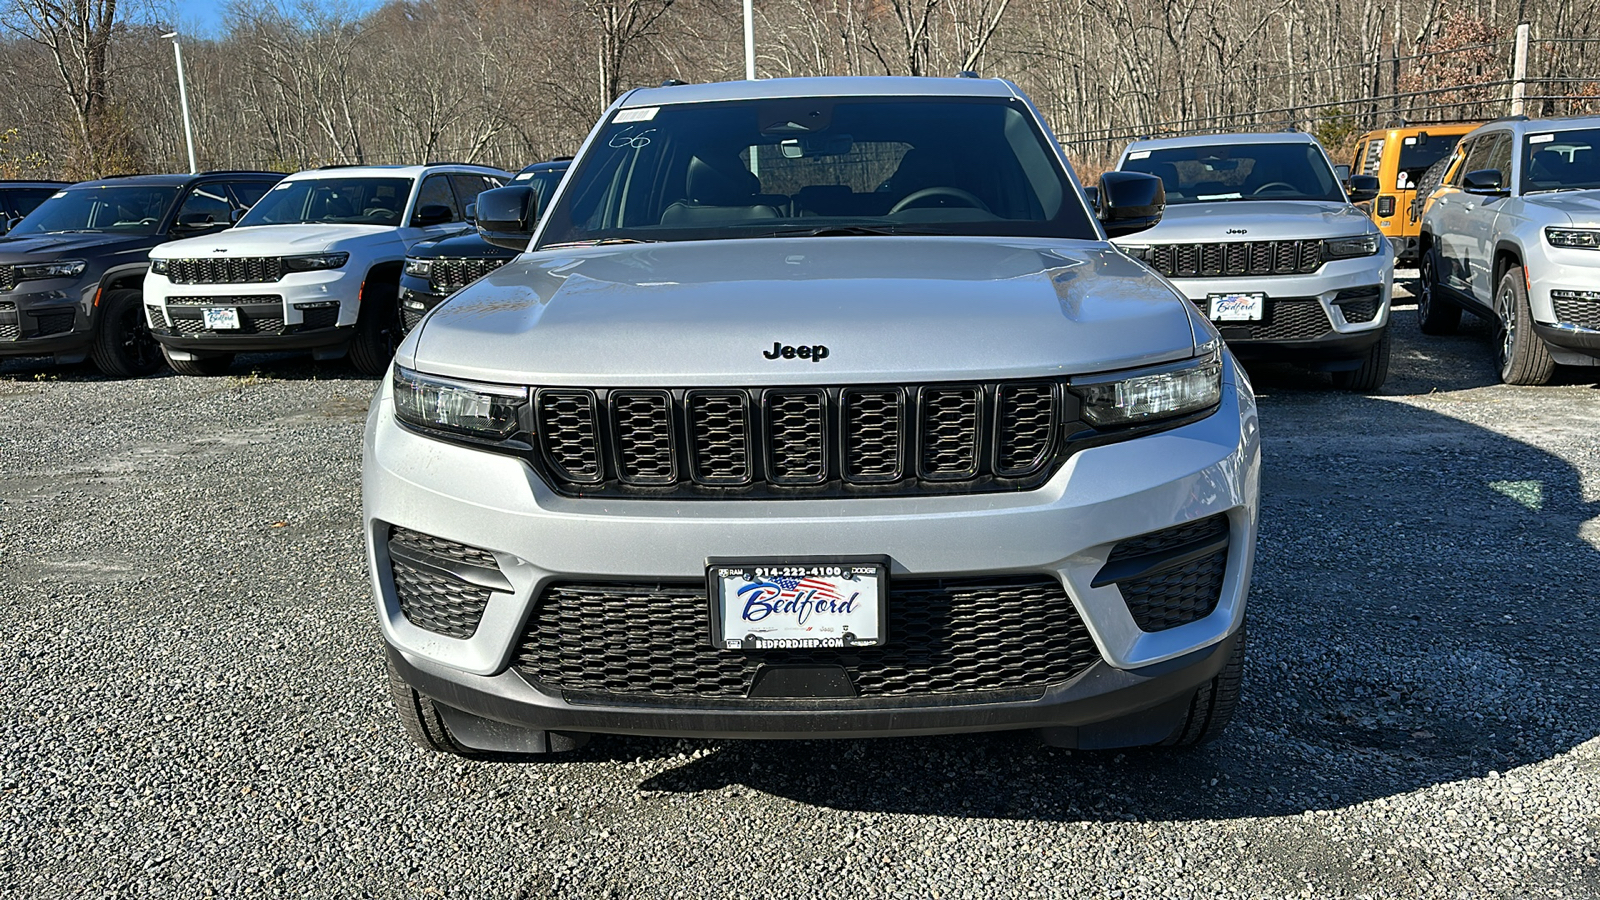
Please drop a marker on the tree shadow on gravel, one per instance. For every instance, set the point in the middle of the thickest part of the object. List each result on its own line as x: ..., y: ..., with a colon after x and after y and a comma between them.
x: 274, y: 366
x: 1424, y: 610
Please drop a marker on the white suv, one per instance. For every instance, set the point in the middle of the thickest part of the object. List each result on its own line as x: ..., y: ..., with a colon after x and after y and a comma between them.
x: 314, y: 265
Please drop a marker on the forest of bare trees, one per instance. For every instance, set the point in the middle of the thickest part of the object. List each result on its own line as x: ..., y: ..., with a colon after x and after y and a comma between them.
x: 91, y: 85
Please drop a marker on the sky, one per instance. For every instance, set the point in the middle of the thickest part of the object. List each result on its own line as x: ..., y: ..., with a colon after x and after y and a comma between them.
x: 203, y: 18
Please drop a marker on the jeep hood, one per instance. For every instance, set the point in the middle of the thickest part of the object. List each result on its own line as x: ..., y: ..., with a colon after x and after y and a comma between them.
x: 66, y: 245
x: 277, y: 240
x: 1580, y: 207
x: 1261, y: 220
x: 904, y: 309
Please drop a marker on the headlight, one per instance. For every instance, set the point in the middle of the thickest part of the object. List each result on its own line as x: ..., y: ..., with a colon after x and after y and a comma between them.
x: 1350, y: 247
x: 61, y: 268
x: 1162, y: 392
x: 472, y: 408
x: 421, y: 268
x: 311, y: 262
x: 158, y: 266
x: 1573, y: 238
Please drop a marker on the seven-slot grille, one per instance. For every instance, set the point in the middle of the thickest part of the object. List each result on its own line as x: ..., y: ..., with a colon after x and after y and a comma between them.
x: 225, y: 270
x: 1234, y: 258
x: 993, y: 436
x: 450, y: 275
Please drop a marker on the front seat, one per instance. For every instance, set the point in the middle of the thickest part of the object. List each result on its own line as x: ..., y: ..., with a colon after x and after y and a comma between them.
x: 719, y: 190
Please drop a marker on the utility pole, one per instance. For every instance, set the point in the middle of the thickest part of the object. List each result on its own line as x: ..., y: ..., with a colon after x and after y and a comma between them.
x: 183, y: 101
x: 749, y: 42
x: 1519, y: 72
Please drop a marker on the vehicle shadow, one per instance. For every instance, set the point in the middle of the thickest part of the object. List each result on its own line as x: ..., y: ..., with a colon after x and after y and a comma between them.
x: 274, y: 366
x: 1424, y: 610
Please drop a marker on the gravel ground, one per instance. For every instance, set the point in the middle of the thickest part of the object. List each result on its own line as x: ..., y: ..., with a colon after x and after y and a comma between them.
x: 194, y: 703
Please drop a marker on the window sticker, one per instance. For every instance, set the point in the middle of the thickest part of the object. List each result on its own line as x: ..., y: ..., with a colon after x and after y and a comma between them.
x: 1540, y: 138
x: 1139, y: 154
x: 643, y: 114
x: 1410, y: 142
x: 283, y: 185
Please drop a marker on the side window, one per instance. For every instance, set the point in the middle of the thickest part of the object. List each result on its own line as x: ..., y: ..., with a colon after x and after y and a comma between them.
x: 1477, y: 156
x: 469, y: 186
x: 1499, y: 157
x: 1369, y: 166
x: 246, y: 193
x: 206, y: 205
x: 436, y: 192
x: 1361, y: 154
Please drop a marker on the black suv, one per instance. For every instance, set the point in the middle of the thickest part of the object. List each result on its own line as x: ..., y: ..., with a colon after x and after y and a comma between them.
x: 438, y: 268
x: 18, y: 198
x: 72, y: 271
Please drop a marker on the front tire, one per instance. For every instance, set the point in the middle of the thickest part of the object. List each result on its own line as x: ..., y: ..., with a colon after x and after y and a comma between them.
x: 421, y: 720
x: 377, y: 331
x: 204, y: 366
x: 1435, y: 315
x: 1213, y: 704
x: 1523, y: 357
x: 1374, y: 370
x: 123, y: 346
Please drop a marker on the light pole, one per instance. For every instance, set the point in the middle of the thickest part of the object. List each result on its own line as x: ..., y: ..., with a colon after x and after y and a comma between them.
x: 749, y: 43
x: 183, y: 100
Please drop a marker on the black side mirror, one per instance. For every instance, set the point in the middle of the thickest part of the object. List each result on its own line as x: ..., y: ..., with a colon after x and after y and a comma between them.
x: 1363, y: 188
x: 506, y: 216
x: 1342, y: 173
x: 1093, y: 193
x: 198, y: 221
x: 472, y: 212
x: 1484, y: 181
x: 432, y: 214
x: 1129, y: 202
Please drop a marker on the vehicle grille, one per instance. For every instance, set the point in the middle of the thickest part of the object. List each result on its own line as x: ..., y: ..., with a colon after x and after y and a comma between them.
x: 1573, y: 311
x: 258, y: 314
x: 945, y: 637
x: 430, y: 597
x: 226, y: 270
x: 1233, y: 258
x: 324, y: 317
x: 998, y: 436
x: 53, y: 323
x: 1171, y: 577
x: 1288, y: 318
x: 450, y: 275
x: 10, y: 328
x: 410, y: 317
x: 8, y: 278
x: 156, y: 318
x: 1359, y: 304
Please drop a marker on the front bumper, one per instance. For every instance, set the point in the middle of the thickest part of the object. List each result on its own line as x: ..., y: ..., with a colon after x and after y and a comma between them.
x: 301, y: 311
x: 415, y: 302
x: 1064, y: 530
x: 45, y: 317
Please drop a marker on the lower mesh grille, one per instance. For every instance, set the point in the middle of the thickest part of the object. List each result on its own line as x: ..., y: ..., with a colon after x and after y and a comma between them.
x: 1582, y: 313
x: 9, y: 329
x: 429, y: 584
x: 410, y: 317
x: 326, y: 317
x: 1174, y: 575
x: 53, y: 323
x: 1359, y: 304
x: 1289, y: 318
x: 946, y: 637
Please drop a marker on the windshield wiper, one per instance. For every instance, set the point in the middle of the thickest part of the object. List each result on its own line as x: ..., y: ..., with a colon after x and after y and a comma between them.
x: 845, y: 231
x: 595, y: 242
x: 1556, y: 190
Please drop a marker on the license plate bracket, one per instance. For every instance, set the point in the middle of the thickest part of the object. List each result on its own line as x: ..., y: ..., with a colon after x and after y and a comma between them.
x: 798, y: 602
x: 1241, y: 307
x: 221, y: 318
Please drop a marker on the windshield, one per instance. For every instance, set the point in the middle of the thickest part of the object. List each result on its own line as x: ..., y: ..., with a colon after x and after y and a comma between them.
x: 1286, y: 171
x: 1561, y: 160
x: 123, y: 210
x: 347, y: 201
x: 1416, y: 155
x: 852, y: 165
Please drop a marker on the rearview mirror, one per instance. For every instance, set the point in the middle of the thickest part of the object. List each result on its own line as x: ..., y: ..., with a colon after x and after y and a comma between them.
x: 1363, y: 188
x: 506, y: 216
x: 1129, y: 202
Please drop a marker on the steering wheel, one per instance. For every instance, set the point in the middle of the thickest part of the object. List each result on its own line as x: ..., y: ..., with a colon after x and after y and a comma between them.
x: 939, y: 191
x: 1273, y: 184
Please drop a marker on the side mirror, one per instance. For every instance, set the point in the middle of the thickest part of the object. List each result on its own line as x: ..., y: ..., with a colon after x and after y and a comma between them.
x: 1484, y: 181
x: 472, y: 212
x: 506, y: 216
x: 1363, y: 188
x: 198, y: 221
x: 1093, y: 193
x: 235, y: 215
x: 1129, y: 202
x: 432, y: 214
x: 1342, y: 173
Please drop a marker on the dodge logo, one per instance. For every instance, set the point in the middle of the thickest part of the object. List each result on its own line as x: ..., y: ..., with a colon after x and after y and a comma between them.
x: 813, y: 352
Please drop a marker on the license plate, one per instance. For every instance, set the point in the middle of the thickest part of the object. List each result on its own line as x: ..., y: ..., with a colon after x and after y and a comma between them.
x: 221, y: 318
x: 773, y: 605
x: 1237, y: 307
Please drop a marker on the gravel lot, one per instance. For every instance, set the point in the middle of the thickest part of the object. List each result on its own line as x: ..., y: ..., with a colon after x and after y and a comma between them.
x: 194, y: 703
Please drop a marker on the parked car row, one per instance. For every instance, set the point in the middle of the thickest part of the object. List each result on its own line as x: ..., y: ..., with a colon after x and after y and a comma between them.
x: 133, y: 270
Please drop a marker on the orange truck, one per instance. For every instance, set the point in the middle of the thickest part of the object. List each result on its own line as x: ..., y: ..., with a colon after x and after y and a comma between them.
x: 1399, y: 157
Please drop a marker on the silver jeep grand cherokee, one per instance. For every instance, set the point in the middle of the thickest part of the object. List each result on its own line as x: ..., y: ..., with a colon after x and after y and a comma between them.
x: 1261, y: 236
x: 816, y: 408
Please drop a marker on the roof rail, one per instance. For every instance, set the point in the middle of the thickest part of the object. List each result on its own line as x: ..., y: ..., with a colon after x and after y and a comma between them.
x: 673, y: 82
x: 336, y: 166
x: 240, y: 172
x: 1517, y: 118
x: 559, y: 159
x: 967, y: 73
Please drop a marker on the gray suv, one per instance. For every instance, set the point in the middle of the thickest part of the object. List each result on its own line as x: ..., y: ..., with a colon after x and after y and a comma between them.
x: 1514, y: 236
x: 1261, y: 236
x: 815, y: 408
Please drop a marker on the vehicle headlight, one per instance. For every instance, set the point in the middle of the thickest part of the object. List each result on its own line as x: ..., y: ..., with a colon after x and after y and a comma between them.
x: 1350, y: 247
x: 158, y: 266
x: 1146, y: 395
x: 1573, y: 238
x: 421, y: 268
x: 61, y: 268
x: 472, y: 408
x: 312, y: 262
